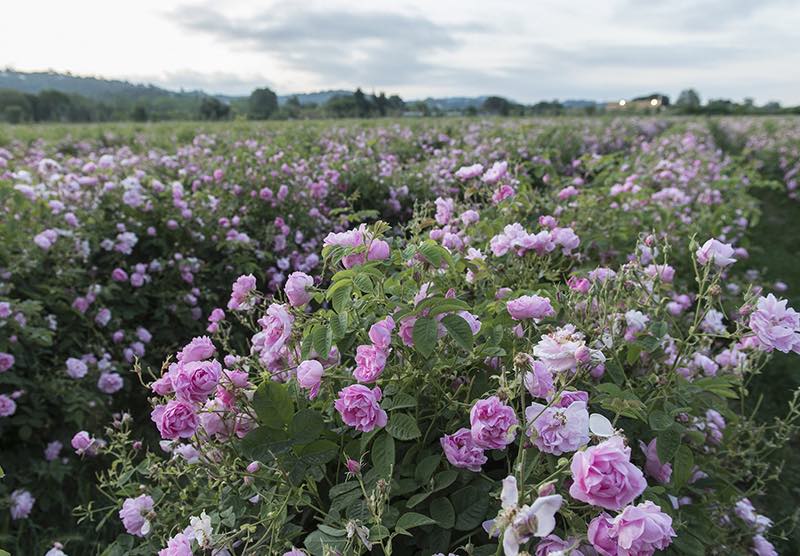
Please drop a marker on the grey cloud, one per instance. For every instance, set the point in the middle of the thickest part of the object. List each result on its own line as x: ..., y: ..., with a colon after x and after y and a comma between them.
x: 335, y: 45
x: 693, y: 15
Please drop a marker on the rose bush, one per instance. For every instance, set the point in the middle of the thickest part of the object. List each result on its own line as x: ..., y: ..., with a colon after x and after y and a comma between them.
x: 549, y: 356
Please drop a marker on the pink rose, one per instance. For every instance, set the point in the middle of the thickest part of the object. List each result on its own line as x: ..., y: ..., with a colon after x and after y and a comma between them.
x: 776, y: 326
x: 276, y: 327
x: 309, y: 376
x: 359, y: 407
x: 559, y: 350
x: 380, y: 333
x: 241, y: 291
x: 177, y: 419
x: 196, y: 380
x: 637, y: 531
x: 296, y: 286
x: 134, y: 515
x: 492, y: 423
x: 558, y: 429
x: 721, y: 254
x: 604, y: 476
x: 6, y: 361
x: 83, y: 443
x: 530, y: 307
x: 660, y: 472
x: 198, y: 349
x: 370, y: 362
x: 461, y: 451
x: 378, y: 250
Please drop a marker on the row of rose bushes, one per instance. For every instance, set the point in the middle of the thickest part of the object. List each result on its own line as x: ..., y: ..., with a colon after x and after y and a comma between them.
x: 547, y: 358
x: 115, y: 249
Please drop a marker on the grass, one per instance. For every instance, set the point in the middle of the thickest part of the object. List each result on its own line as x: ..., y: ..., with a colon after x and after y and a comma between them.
x: 775, y: 250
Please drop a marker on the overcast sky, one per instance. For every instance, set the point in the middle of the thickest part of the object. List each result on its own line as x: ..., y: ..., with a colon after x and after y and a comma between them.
x: 525, y: 50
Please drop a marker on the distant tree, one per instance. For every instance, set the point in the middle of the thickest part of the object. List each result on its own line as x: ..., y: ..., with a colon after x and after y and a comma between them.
x: 53, y: 106
x: 772, y: 107
x: 688, y: 101
x: 342, y: 106
x: 496, y: 105
x: 381, y: 104
x: 263, y: 103
x: 363, y: 106
x: 213, y: 109
x: 139, y: 113
x: 720, y: 106
x: 471, y: 111
x: 13, y: 114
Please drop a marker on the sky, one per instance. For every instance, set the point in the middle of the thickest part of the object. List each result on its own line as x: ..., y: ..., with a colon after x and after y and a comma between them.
x: 525, y: 50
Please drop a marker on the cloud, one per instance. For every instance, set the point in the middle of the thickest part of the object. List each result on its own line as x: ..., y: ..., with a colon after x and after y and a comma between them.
x: 337, y: 45
x: 694, y: 15
x: 210, y: 82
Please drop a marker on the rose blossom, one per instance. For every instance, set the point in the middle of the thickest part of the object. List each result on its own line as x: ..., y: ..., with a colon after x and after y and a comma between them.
x: 196, y: 380
x: 177, y: 419
x: 492, y: 423
x: 309, y: 376
x: 21, y: 504
x: 530, y: 307
x: 83, y: 443
x: 6, y: 361
x: 721, y: 254
x: 461, y: 451
x: 296, y: 286
x: 370, y: 362
x: 241, y: 289
x: 604, y: 476
x: 660, y: 472
x: 359, y: 407
x: 380, y: 333
x: 198, y: 349
x: 558, y: 429
x: 109, y: 383
x: 776, y: 326
x: 7, y: 406
x: 539, y: 380
x: 134, y: 515
x: 637, y: 531
x: 276, y: 327
x: 76, y: 368
x: 559, y: 350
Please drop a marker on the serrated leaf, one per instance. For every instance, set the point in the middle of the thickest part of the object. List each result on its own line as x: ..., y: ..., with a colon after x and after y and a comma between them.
x: 425, y: 335
x: 321, y: 338
x: 470, y: 505
x: 383, y: 453
x: 341, y: 297
x: 306, y: 426
x: 659, y: 420
x: 425, y: 468
x: 668, y: 442
x: 273, y: 405
x: 615, y: 371
x: 403, y: 427
x: 684, y: 466
x: 410, y: 520
x: 442, y: 511
x: 459, y: 330
x: 318, y: 452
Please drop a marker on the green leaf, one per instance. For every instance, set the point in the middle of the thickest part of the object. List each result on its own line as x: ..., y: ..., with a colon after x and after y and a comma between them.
x: 417, y: 498
x: 363, y: 282
x: 273, y: 405
x: 317, y: 542
x: 410, y: 520
x: 659, y: 420
x: 383, y: 453
x: 321, y: 337
x: 659, y: 329
x: 318, y: 452
x: 668, y: 442
x: 442, y: 511
x: 633, y: 354
x: 306, y: 426
x: 459, y: 330
x: 615, y: 371
x: 403, y: 427
x: 470, y: 505
x: 264, y: 443
x: 340, y: 297
x: 444, y: 479
x: 425, y: 468
x: 338, y: 324
x: 684, y: 466
x: 425, y: 335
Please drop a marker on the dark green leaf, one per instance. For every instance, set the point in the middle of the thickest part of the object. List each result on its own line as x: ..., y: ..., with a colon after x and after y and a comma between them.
x: 459, y: 330
x: 425, y: 335
x: 403, y: 427
x: 273, y: 405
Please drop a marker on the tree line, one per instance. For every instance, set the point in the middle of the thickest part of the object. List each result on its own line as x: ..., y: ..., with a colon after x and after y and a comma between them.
x: 262, y: 104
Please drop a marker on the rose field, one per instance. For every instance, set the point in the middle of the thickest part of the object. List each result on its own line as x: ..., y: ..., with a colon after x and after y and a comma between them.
x: 413, y: 337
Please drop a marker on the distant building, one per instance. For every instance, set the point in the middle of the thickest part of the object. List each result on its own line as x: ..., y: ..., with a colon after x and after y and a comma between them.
x: 654, y: 102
